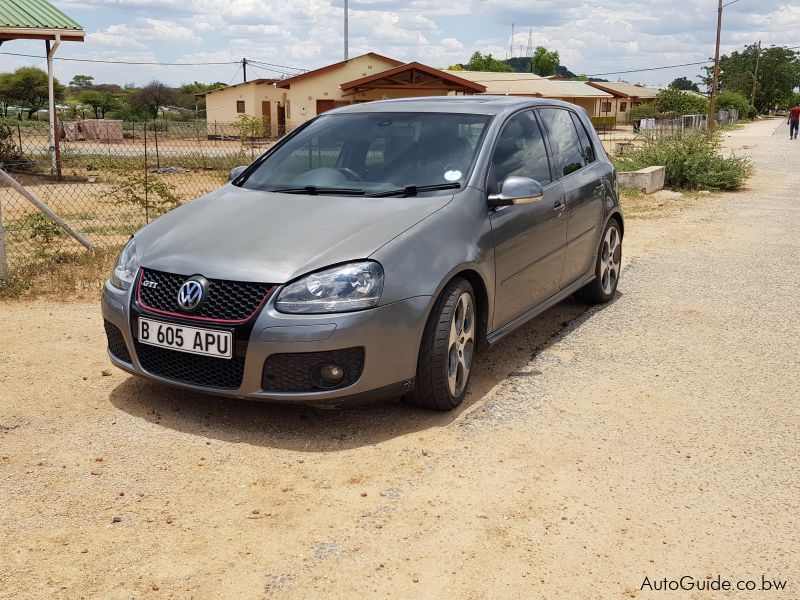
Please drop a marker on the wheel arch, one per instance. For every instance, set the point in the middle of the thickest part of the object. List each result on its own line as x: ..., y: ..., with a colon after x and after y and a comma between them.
x: 482, y: 299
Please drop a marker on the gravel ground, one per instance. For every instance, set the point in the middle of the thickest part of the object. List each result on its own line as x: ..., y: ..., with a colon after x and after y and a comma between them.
x: 654, y: 437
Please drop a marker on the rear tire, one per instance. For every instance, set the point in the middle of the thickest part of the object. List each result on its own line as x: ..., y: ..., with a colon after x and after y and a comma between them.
x: 607, y: 268
x: 448, y: 344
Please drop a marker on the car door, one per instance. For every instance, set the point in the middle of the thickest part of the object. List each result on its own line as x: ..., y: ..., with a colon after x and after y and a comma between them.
x: 582, y: 179
x: 529, y: 239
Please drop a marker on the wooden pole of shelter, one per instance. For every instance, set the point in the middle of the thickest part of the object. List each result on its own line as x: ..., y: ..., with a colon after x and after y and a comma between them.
x: 37, y: 202
x: 55, y: 152
x: 3, y: 257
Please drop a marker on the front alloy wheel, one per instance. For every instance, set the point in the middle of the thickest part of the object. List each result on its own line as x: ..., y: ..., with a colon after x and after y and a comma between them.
x: 448, y: 345
x: 461, y: 342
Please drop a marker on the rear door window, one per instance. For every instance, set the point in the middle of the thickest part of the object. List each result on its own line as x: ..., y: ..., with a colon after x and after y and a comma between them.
x: 587, y: 150
x: 564, y: 141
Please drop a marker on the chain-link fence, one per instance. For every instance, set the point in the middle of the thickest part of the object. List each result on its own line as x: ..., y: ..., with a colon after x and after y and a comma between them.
x: 110, y: 178
x: 684, y: 123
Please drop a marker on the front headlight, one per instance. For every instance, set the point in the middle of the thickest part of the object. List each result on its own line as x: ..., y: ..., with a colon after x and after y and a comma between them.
x: 126, y: 267
x: 354, y: 286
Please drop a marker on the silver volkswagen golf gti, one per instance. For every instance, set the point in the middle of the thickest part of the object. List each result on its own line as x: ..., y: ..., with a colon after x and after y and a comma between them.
x: 371, y: 252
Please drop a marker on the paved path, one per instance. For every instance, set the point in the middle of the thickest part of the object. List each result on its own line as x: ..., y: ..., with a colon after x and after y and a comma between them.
x: 656, y: 437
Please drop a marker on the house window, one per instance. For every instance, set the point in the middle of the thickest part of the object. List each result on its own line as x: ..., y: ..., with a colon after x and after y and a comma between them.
x: 240, y: 106
x: 605, y: 107
x: 623, y: 106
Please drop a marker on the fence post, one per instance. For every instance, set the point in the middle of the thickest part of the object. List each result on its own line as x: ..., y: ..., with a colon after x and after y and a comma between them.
x: 146, y: 216
x: 200, y: 144
x: 19, y: 137
x: 3, y: 257
x: 155, y: 136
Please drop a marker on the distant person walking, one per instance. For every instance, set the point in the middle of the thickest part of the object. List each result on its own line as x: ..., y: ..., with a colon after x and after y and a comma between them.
x: 794, y: 121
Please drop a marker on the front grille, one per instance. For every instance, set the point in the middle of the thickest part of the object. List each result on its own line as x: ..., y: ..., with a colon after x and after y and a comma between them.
x: 234, y: 301
x: 295, y: 372
x: 116, y: 342
x: 205, y: 371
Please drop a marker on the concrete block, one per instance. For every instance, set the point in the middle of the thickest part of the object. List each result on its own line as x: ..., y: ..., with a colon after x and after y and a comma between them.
x: 649, y: 179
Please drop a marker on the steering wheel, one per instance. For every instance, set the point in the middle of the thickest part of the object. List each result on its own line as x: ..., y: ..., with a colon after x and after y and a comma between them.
x: 350, y: 174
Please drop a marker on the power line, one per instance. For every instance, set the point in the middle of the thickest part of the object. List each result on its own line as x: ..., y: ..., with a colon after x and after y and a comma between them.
x: 125, y: 62
x: 261, y: 62
x: 287, y: 73
x: 235, y: 74
x: 691, y: 64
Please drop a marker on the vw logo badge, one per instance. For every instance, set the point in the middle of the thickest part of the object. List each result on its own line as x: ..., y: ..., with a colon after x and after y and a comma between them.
x: 192, y: 293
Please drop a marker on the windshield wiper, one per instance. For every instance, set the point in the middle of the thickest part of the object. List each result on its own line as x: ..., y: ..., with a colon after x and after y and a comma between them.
x: 313, y: 190
x: 413, y: 190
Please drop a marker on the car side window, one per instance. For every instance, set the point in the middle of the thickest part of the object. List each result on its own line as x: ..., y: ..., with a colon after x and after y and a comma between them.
x: 519, y: 151
x: 564, y: 141
x: 587, y: 150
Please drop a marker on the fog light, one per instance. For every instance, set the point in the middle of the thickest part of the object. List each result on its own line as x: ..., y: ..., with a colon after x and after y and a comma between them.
x: 332, y: 373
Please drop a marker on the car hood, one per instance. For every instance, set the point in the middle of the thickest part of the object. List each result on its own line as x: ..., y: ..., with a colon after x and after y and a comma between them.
x: 248, y: 235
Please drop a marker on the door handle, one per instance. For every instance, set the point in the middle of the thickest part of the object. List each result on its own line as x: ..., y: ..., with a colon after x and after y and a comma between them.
x: 559, y: 205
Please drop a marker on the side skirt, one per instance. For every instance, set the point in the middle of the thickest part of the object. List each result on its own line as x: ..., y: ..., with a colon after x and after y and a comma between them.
x: 503, y: 331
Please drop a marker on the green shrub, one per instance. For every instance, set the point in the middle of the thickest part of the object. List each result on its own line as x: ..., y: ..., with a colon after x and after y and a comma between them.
x: 604, y: 123
x: 692, y: 160
x: 643, y: 111
x: 41, y: 228
x: 10, y: 155
x: 729, y: 100
x: 155, y: 195
x: 680, y: 102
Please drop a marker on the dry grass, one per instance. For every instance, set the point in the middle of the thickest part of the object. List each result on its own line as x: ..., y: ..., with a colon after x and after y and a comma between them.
x: 638, y: 205
x: 64, y: 276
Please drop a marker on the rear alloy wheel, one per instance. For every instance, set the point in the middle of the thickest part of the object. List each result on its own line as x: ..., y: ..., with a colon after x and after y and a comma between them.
x: 448, y: 345
x: 607, y: 268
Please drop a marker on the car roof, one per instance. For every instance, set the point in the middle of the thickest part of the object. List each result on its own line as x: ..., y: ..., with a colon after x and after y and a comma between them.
x: 482, y: 105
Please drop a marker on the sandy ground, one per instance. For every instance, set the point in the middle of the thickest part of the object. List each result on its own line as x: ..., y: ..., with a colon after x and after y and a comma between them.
x: 654, y: 437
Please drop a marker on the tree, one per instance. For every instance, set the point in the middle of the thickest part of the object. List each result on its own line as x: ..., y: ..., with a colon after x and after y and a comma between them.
x: 152, y: 97
x: 486, y: 62
x: 81, y: 81
x: 5, y: 93
x: 544, y: 63
x: 682, y: 83
x: 778, y: 74
x: 101, y: 98
x: 28, y: 87
x: 680, y: 102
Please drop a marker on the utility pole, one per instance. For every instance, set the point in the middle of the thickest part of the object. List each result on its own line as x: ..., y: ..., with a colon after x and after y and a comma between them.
x: 346, y: 33
x: 712, y: 112
x: 244, y: 69
x: 755, y: 75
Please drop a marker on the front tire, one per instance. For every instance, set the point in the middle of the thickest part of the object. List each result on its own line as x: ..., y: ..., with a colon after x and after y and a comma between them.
x: 448, y: 345
x: 607, y: 268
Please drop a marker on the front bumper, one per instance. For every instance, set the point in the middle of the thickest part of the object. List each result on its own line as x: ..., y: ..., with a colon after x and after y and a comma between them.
x: 390, y: 336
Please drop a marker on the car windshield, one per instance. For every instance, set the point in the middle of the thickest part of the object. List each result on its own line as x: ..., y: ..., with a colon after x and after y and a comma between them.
x: 373, y: 153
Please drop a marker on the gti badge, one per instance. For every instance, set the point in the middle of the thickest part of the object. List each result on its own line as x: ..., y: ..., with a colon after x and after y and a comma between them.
x: 192, y: 293
x: 150, y: 284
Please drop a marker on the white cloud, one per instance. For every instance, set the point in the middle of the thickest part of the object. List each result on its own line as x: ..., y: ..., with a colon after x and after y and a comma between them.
x: 614, y: 35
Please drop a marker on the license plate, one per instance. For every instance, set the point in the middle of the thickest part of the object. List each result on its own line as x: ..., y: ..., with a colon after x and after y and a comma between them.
x: 206, y: 342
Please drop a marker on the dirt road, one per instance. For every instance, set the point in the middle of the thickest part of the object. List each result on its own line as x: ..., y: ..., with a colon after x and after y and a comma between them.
x: 655, y: 437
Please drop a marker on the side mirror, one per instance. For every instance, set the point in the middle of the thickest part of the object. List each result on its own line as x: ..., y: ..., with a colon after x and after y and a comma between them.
x: 516, y: 190
x: 235, y: 172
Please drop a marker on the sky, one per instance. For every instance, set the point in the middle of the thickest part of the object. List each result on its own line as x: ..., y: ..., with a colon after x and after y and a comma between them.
x: 591, y: 38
